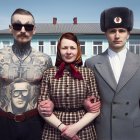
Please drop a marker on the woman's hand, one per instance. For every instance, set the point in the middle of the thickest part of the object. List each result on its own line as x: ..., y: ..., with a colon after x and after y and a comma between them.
x: 75, y: 138
x: 45, y: 108
x: 70, y: 132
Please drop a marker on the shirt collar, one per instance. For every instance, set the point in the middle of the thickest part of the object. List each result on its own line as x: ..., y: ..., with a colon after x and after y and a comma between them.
x: 122, y: 53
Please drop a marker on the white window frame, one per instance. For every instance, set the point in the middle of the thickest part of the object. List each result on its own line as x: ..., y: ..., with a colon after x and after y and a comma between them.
x: 97, y: 45
x: 53, y: 47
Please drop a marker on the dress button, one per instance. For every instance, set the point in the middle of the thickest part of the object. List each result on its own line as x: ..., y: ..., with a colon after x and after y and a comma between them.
x: 67, y: 94
x: 126, y: 114
x: 67, y: 74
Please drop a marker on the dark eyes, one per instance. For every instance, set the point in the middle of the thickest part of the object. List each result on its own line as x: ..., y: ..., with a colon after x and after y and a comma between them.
x: 66, y: 47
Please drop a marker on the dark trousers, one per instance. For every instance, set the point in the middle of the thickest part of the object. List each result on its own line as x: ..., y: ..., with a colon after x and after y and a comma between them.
x: 29, y: 129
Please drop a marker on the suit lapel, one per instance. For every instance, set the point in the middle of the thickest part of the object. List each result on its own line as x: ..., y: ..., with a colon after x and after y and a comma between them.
x: 131, y: 65
x: 104, y: 68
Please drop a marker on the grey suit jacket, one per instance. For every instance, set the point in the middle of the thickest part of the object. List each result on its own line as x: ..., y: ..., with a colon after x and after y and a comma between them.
x: 120, y: 104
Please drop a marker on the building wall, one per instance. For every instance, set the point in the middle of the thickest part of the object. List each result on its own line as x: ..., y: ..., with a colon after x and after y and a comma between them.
x: 88, y: 39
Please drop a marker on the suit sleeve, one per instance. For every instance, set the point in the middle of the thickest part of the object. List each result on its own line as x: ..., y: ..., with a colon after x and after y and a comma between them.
x: 92, y: 85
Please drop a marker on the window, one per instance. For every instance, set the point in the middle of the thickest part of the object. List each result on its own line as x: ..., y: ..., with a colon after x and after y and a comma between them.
x: 6, y: 43
x: 82, y: 45
x: 53, y: 47
x: 134, y: 46
x: 97, y: 47
x: 41, y: 46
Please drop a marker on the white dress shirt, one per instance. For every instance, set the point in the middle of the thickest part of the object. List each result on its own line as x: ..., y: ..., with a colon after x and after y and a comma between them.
x: 117, y: 61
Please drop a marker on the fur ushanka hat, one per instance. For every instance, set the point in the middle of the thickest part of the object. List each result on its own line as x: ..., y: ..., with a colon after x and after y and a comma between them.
x: 116, y: 17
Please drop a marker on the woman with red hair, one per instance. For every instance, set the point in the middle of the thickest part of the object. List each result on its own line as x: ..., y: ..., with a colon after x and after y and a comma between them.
x: 67, y: 85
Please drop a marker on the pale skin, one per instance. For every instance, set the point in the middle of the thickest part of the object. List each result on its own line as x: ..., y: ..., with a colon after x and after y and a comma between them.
x: 117, y: 38
x: 22, y: 36
x: 20, y: 100
x: 68, y: 51
x: 46, y: 108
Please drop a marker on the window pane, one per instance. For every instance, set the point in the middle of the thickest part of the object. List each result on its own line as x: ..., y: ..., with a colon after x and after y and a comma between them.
x: 83, y: 49
x: 95, y: 50
x: 53, y: 47
x: 53, y: 42
x: 53, y: 50
x: 134, y: 46
x: 41, y: 48
x: 131, y: 48
x: 41, y: 42
x: 97, y: 43
x: 82, y: 45
x: 6, y: 43
x: 137, y: 49
x: 99, y: 49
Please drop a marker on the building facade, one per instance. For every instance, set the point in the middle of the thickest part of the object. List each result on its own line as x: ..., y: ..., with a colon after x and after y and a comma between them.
x: 92, y: 40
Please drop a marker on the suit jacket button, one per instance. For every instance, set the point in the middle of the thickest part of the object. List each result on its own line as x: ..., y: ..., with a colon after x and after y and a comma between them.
x: 127, y: 103
x: 126, y: 114
x: 114, y: 103
x: 114, y: 117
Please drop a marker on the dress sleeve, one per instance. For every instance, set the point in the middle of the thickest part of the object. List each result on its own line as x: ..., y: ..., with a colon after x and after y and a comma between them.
x: 92, y: 88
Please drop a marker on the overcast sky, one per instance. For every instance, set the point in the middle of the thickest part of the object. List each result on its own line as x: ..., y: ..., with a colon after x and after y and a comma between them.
x: 86, y: 11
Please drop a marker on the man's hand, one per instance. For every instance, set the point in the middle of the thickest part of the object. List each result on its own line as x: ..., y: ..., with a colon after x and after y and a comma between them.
x: 91, y: 104
x: 45, y: 108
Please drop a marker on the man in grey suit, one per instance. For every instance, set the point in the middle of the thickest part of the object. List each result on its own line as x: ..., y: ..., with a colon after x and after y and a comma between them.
x: 118, y: 76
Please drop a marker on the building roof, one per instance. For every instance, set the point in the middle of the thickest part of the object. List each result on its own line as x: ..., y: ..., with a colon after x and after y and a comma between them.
x: 79, y: 28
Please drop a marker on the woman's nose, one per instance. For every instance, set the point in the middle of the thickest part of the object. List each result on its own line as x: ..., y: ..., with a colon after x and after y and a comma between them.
x: 68, y: 51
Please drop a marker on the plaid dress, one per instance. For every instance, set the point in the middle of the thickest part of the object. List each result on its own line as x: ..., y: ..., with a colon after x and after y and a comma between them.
x: 67, y: 92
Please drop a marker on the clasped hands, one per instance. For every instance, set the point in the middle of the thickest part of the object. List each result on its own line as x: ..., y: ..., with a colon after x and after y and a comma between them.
x: 69, y: 131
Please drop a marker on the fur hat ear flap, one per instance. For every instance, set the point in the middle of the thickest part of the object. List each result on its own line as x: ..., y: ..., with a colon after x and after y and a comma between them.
x: 131, y: 20
x: 102, y: 21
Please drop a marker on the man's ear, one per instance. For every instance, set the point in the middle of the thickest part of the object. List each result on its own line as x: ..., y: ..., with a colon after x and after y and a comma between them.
x: 10, y: 28
x: 34, y: 30
x: 128, y: 35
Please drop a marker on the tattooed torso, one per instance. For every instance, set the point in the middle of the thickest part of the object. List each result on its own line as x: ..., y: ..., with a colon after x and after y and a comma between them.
x: 20, y: 80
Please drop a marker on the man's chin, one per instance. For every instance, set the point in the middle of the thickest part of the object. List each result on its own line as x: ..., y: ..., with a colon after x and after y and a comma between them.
x: 23, y: 41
